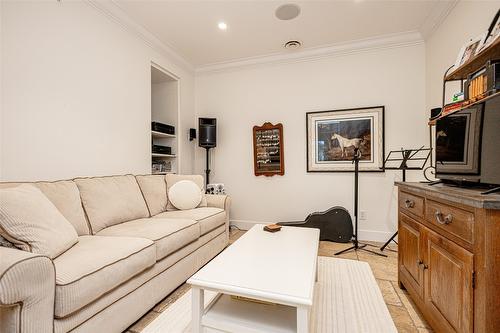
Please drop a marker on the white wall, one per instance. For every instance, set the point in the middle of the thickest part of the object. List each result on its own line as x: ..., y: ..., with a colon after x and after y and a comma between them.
x: 284, y: 93
x: 467, y: 20
x: 76, y: 93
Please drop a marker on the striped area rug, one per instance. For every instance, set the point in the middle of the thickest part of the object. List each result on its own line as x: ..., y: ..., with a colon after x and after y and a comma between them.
x: 347, y: 300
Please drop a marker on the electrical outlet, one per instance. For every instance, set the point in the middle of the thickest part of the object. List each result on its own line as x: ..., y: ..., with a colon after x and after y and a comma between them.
x: 362, y: 214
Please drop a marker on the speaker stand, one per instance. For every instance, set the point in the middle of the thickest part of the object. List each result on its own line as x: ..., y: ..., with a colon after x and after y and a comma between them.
x: 207, y: 170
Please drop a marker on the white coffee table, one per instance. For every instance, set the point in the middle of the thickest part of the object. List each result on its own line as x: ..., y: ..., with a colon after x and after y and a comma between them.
x: 274, y: 267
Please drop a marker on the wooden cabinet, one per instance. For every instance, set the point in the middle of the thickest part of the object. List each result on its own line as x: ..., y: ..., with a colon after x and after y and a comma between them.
x: 448, y: 256
x: 410, y: 253
x: 448, y: 278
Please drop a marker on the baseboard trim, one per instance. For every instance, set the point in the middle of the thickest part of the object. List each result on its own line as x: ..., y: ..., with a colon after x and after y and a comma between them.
x: 245, y: 225
x: 376, y: 236
x: 368, y: 235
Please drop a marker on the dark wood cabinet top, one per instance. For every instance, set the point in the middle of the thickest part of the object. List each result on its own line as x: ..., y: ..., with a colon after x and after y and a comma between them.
x: 465, y: 196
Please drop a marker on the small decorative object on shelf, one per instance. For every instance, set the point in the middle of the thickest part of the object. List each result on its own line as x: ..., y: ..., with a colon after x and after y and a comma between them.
x: 475, y: 62
x: 268, y: 150
x: 459, y: 96
x: 470, y: 49
x: 217, y: 189
x: 161, y: 166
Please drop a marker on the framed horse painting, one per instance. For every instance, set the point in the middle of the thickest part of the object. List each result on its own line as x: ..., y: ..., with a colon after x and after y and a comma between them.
x: 334, y: 136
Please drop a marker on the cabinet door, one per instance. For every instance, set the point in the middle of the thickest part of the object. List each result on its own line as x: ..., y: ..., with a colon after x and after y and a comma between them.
x: 410, y: 254
x: 448, y: 283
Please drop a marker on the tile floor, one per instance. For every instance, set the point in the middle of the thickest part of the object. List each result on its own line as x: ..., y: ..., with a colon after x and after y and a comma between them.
x: 404, y: 312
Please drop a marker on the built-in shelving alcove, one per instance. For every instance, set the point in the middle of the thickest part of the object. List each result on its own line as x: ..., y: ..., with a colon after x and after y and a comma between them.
x: 165, y: 109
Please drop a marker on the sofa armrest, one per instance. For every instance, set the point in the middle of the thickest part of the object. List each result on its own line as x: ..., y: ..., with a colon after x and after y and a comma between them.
x: 219, y: 201
x: 222, y: 202
x: 27, y: 288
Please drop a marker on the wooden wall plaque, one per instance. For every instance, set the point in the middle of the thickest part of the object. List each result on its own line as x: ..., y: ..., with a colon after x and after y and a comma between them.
x: 268, y: 150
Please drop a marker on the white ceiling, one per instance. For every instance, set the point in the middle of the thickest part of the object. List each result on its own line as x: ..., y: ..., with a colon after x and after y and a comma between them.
x: 190, y: 27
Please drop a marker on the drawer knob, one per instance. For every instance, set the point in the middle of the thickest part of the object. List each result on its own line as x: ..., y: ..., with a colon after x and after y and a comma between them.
x: 409, y: 203
x: 441, y: 219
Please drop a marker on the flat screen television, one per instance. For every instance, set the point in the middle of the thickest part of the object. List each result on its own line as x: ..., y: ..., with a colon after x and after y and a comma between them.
x: 468, y: 145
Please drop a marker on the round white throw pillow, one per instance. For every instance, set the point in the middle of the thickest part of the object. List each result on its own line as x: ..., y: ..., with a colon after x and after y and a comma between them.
x: 185, y: 194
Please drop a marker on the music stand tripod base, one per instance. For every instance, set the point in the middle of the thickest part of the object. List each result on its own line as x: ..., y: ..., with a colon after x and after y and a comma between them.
x: 388, y: 242
x: 360, y: 246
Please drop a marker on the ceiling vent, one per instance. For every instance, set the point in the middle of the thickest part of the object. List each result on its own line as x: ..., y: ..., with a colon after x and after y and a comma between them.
x: 292, y: 45
x: 287, y: 11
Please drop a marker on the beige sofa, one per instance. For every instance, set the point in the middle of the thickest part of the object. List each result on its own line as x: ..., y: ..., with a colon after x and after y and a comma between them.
x: 131, y: 252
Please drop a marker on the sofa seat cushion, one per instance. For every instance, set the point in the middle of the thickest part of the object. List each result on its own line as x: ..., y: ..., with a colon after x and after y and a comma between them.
x: 209, y: 218
x: 169, y: 235
x: 96, y: 265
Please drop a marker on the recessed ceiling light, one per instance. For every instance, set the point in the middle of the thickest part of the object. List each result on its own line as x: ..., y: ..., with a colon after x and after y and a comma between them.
x: 287, y: 11
x: 222, y: 26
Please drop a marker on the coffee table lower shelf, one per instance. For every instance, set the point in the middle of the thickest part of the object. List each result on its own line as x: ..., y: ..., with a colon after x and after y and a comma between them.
x: 225, y: 314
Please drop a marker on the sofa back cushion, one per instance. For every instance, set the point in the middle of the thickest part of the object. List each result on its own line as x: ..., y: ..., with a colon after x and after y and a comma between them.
x: 111, y: 200
x: 154, y: 190
x: 32, y: 223
x: 65, y: 196
x: 197, y: 179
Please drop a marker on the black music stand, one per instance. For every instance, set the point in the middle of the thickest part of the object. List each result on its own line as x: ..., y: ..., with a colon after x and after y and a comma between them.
x: 356, y: 244
x: 401, y: 159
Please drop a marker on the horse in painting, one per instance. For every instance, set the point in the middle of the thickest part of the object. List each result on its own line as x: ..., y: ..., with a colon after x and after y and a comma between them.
x: 345, y: 143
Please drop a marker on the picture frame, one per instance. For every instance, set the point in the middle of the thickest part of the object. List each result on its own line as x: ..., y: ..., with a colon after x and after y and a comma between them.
x: 268, y: 150
x: 470, y: 49
x: 333, y: 135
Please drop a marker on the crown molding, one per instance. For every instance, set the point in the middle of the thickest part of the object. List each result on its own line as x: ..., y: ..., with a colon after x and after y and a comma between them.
x: 311, y: 54
x: 437, y: 15
x: 110, y: 9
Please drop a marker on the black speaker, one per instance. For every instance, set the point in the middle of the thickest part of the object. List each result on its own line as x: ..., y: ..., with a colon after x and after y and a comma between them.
x: 207, y: 129
x: 192, y: 134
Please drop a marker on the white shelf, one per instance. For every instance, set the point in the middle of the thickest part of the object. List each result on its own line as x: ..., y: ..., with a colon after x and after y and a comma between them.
x: 156, y: 134
x: 229, y: 315
x: 164, y: 155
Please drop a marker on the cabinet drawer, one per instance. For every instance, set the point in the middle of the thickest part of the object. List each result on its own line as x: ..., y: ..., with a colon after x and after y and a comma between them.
x: 411, y: 203
x: 456, y: 221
